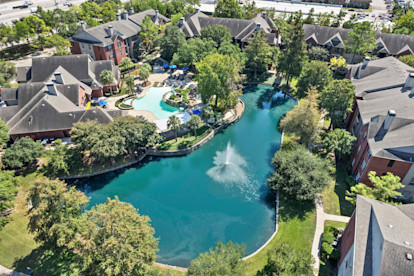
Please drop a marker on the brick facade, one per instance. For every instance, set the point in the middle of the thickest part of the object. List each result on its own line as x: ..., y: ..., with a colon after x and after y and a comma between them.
x: 42, y: 135
x: 347, y: 239
x: 75, y: 48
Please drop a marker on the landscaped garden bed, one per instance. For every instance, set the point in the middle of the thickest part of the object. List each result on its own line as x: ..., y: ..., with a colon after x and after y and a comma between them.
x: 185, y: 141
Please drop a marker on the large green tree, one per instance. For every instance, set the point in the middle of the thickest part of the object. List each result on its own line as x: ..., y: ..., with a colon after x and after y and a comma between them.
x: 174, y: 124
x: 228, y: 9
x: 314, y: 74
x: 57, y: 162
x: 384, y: 188
x: 286, y: 260
x: 318, y: 53
x: 339, y: 141
x: 258, y: 53
x: 299, y: 173
x: 218, y: 33
x: 4, y: 134
x: 107, y: 78
x: 148, y: 32
x: 171, y: 41
x: 195, y: 123
x: 115, y: 240
x: 404, y: 24
x: 54, y: 215
x: 23, y: 152
x: 145, y: 72
x: 224, y: 260
x: 361, y: 39
x: 302, y: 121
x: 337, y: 99
x: 8, y: 191
x: 218, y: 77
x: 193, y: 50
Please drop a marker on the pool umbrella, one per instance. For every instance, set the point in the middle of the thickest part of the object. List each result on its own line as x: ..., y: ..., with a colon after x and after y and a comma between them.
x: 173, y: 66
x: 103, y: 102
x: 165, y: 65
x: 185, y: 68
x: 196, y: 112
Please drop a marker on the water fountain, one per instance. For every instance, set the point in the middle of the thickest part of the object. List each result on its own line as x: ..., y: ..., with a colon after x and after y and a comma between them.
x: 229, y: 166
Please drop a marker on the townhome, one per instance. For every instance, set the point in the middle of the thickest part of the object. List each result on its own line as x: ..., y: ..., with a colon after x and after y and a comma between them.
x: 53, y: 94
x: 334, y: 39
x: 378, y: 240
x: 241, y: 29
x: 113, y: 40
x: 383, y: 121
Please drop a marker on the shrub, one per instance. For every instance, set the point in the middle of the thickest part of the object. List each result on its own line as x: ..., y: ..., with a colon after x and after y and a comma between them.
x: 327, y: 248
x: 335, y: 255
x: 328, y: 237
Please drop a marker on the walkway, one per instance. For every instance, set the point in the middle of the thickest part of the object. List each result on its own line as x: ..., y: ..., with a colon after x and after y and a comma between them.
x: 321, y: 216
x: 8, y: 272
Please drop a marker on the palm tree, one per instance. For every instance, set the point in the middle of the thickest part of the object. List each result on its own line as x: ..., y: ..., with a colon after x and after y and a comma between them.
x: 127, y: 63
x: 129, y: 80
x: 107, y: 78
x: 145, y: 72
x: 194, y: 123
x: 174, y: 124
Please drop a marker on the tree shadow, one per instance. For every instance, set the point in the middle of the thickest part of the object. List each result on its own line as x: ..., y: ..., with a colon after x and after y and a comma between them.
x: 341, y: 186
x: 290, y: 208
x: 44, y: 262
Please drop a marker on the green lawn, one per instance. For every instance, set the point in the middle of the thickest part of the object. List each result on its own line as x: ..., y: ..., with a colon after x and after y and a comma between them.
x: 333, y: 197
x: 297, y: 222
x: 336, y: 224
x: 185, y: 141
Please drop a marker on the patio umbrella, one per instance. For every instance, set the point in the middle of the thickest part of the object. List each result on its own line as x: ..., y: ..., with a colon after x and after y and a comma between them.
x: 185, y: 68
x: 103, y: 102
x: 173, y: 66
x: 165, y: 65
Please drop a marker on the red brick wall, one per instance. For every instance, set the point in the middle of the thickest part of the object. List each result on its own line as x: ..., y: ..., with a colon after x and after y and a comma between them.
x: 82, y: 97
x: 75, y: 48
x: 102, y: 53
x: 408, y: 52
x: 380, y: 165
x: 363, y: 152
x: 311, y: 41
x: 97, y: 93
x: 43, y: 135
x: 347, y: 239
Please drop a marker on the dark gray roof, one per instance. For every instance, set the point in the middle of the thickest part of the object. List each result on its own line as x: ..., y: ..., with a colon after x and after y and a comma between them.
x: 24, y: 74
x: 391, y: 44
x: 396, y: 234
x: 8, y: 94
x: 381, y: 87
x: 240, y: 29
x: 123, y: 28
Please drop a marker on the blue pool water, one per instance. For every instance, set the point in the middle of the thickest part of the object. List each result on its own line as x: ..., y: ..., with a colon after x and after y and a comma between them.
x: 190, y: 205
x: 153, y: 102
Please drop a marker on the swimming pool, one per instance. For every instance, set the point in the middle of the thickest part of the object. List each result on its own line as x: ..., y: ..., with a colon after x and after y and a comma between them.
x: 153, y: 102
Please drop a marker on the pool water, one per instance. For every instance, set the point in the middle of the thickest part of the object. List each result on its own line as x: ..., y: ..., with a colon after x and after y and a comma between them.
x: 189, y: 209
x: 153, y: 102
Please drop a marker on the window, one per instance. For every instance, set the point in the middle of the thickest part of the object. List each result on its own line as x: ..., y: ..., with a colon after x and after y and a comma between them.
x: 120, y: 52
x: 119, y: 43
x: 363, y: 165
x: 411, y: 182
x: 357, y: 177
x: 353, y: 162
x: 369, y: 153
x: 359, y: 148
x: 391, y: 163
x: 365, y: 136
x: 111, y: 56
x: 109, y: 47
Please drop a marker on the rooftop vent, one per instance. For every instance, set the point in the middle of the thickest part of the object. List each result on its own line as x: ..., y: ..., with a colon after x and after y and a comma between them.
x: 390, y: 226
x: 118, y: 16
x: 182, y: 21
x: 409, y: 256
x: 51, y: 88
x: 406, y: 242
x: 58, y: 77
x: 258, y: 26
x: 111, y: 30
x: 125, y: 15
x: 264, y: 15
x: 388, y: 120
x: 131, y: 11
x: 83, y: 25
x: 409, y: 83
x: 365, y: 62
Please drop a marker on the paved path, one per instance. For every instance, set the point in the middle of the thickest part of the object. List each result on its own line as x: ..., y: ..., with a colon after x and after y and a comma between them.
x: 321, y: 216
x: 8, y: 272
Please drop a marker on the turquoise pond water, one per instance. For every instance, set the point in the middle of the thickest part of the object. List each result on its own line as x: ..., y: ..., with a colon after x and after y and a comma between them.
x: 153, y: 102
x: 189, y: 209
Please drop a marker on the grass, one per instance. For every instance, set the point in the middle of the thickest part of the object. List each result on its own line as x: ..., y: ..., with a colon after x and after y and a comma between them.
x: 333, y: 197
x: 297, y: 222
x: 186, y: 140
x: 336, y: 224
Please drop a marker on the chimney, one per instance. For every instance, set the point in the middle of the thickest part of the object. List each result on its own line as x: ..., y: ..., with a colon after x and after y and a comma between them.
x: 131, y: 11
x: 258, y: 26
x: 409, y: 83
x: 157, y: 16
x: 111, y: 30
x: 51, y: 88
x: 118, y: 16
x: 125, y: 15
x: 264, y: 15
x: 365, y: 62
x: 83, y: 25
x: 58, y: 77
x: 388, y: 120
x: 182, y: 21
x: 197, y: 10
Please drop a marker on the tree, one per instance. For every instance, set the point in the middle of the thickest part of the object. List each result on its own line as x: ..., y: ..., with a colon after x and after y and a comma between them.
x: 228, y: 9
x: 194, y: 50
x: 195, y: 123
x: 57, y: 163
x: 408, y: 59
x: 314, y: 74
x: 109, y: 145
x: 85, y: 134
x: 174, y: 123
x: 115, y: 240
x: 145, y: 72
x: 7, y: 35
x: 4, y: 134
x: 171, y: 41
x: 302, y: 121
x: 218, y: 77
x: 351, y: 22
x: 318, y: 53
x: 384, y: 188
x: 361, y: 39
x: 286, y: 260
x: 405, y: 23
x: 148, y: 32
x: 258, y: 52
x: 217, y: 33
x: 207, y: 113
x: 62, y: 45
x: 129, y: 80
x: 108, y: 12
x: 299, y: 173
x: 337, y: 99
x: 8, y: 191
x: 22, y: 31
x: 340, y: 142
x: 293, y: 55
x: 224, y: 260
x: 337, y: 63
x: 53, y: 217
x: 24, y: 151
x: 7, y: 72
x: 107, y: 78
x: 127, y: 63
